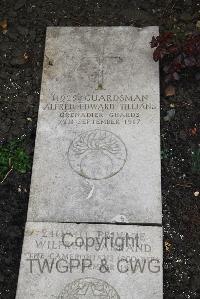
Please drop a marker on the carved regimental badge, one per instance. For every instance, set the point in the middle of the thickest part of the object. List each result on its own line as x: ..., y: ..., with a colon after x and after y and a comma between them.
x: 97, y: 154
x: 88, y: 288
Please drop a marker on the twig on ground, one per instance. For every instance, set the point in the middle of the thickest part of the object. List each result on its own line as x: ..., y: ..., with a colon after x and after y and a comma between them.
x: 186, y: 185
x: 10, y: 170
x: 7, y: 174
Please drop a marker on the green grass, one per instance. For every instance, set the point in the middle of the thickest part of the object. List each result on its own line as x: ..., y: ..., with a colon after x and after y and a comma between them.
x: 165, y: 154
x: 13, y: 157
x: 196, y: 161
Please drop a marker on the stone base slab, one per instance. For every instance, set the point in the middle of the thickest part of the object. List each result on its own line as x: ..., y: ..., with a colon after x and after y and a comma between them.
x: 93, y: 261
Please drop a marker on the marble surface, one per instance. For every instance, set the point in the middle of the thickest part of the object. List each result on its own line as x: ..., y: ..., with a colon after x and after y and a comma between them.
x: 97, y: 151
x: 92, y: 261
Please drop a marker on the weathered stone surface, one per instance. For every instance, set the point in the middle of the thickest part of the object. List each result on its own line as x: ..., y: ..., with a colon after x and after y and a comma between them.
x: 97, y: 153
x: 90, y: 261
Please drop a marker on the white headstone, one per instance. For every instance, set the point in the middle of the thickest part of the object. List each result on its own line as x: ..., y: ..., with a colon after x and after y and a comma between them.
x: 97, y: 153
x: 97, y: 160
x: 90, y: 261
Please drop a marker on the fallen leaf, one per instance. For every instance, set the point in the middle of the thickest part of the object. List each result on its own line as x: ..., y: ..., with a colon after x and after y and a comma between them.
x: 193, y: 131
x: 4, y: 25
x: 19, y: 4
x: 170, y: 115
x: 20, y: 59
x: 170, y: 91
x: 168, y: 246
x: 17, y: 61
x: 26, y: 56
x: 198, y: 25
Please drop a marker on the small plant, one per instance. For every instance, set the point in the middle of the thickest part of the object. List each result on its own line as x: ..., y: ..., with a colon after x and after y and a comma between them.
x: 165, y: 154
x: 196, y: 161
x: 177, y: 56
x: 13, y: 158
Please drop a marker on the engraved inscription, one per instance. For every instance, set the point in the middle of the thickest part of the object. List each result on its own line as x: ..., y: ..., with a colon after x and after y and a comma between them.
x: 100, y: 109
x: 97, y: 154
x: 89, y: 288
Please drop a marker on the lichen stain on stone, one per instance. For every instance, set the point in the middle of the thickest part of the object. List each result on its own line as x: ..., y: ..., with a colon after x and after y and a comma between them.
x: 100, y: 87
x: 53, y: 33
x: 91, y: 191
x: 120, y: 219
x: 49, y: 70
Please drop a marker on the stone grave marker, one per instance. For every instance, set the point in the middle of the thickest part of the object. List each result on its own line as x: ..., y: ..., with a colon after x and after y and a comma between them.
x: 91, y: 261
x: 97, y: 153
x: 94, y: 217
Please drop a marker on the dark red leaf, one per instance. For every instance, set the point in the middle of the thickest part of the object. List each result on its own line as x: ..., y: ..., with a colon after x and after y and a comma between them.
x: 154, y: 42
x: 173, y: 49
x: 165, y: 37
x: 176, y: 56
x: 177, y: 66
x: 178, y: 59
x: 157, y: 54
